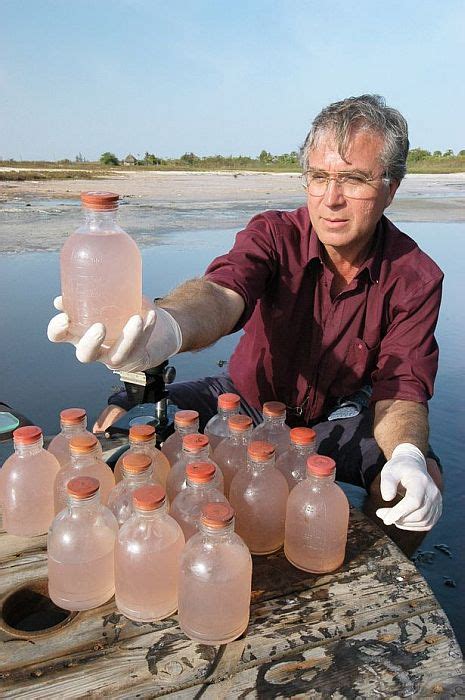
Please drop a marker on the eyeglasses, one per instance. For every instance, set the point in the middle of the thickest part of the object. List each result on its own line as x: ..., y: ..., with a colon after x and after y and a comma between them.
x: 352, y: 185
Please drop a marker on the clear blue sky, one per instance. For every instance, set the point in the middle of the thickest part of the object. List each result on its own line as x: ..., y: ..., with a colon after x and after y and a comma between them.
x: 219, y: 76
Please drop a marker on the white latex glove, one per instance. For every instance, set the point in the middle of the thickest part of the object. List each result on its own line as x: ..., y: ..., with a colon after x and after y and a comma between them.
x: 421, y: 506
x: 145, y: 341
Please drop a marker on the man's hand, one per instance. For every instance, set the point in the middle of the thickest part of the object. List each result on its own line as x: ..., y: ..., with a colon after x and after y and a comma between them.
x: 421, y: 506
x: 145, y: 341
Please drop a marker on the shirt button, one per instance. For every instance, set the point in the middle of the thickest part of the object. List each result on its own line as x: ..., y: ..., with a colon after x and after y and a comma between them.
x: 360, y: 346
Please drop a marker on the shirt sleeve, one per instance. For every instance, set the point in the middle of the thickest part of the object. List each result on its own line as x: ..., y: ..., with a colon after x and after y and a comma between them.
x: 249, y: 266
x: 408, y: 357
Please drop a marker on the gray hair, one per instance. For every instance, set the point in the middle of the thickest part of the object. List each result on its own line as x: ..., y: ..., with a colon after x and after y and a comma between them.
x: 367, y: 113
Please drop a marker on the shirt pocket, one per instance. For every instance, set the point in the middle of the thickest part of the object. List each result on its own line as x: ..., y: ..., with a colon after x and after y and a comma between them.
x: 359, y: 363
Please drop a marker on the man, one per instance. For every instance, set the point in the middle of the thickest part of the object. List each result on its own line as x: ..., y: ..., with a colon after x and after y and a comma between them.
x: 331, y: 297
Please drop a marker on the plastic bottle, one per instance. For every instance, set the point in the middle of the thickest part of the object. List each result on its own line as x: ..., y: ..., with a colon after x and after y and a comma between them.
x: 142, y: 438
x: 273, y: 428
x: 317, y: 519
x: 231, y: 453
x: 85, y: 461
x: 217, y: 426
x: 27, y: 482
x: 258, y: 494
x: 215, y: 580
x: 185, y: 423
x: 187, y: 505
x: 293, y: 462
x: 101, y: 269
x: 80, y: 549
x: 137, y: 471
x: 195, y: 448
x: 73, y: 421
x: 147, y: 559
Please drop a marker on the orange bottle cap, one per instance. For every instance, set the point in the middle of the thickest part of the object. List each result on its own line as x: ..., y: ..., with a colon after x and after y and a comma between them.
x: 195, y: 442
x: 228, y: 401
x: 302, y: 436
x: 149, y: 497
x: 320, y: 465
x: 238, y: 423
x: 72, y: 416
x: 274, y: 408
x: 136, y: 462
x: 27, y: 435
x: 185, y: 418
x: 83, y: 486
x: 216, y: 515
x: 100, y: 201
x: 142, y: 433
x: 82, y: 443
x: 200, y: 472
x: 260, y: 451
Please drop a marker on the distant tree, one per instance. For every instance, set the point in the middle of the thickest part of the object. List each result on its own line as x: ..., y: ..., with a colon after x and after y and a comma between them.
x: 64, y: 161
x: 108, y: 158
x: 190, y: 158
x: 448, y: 154
x: 151, y: 159
x: 437, y: 154
x: 418, y: 154
x: 80, y: 158
x: 265, y: 157
x: 461, y: 153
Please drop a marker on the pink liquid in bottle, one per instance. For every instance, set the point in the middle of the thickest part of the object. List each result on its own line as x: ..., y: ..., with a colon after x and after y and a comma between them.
x: 231, y: 453
x: 137, y: 472
x: 101, y: 270
x: 147, y: 559
x: 27, y: 482
x: 185, y: 423
x: 215, y: 580
x: 188, y: 504
x: 293, y: 462
x: 273, y: 429
x: 258, y: 494
x: 85, y: 461
x: 195, y: 448
x: 80, y: 549
x: 217, y: 427
x: 142, y: 438
x: 72, y: 421
x: 317, y: 519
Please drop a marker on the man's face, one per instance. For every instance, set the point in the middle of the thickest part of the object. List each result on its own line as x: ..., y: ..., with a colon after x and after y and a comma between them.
x: 341, y: 222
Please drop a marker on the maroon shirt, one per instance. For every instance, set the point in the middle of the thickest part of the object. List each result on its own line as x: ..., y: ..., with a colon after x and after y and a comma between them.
x: 301, y: 346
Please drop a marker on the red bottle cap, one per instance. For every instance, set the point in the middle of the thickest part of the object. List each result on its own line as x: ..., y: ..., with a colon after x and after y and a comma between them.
x: 72, y: 416
x: 142, y: 433
x: 185, y: 418
x: 195, y: 442
x: 216, y: 515
x: 83, y: 486
x: 82, y: 443
x: 320, y: 465
x: 200, y: 472
x: 260, y: 451
x: 149, y: 497
x: 27, y: 435
x: 302, y: 436
x: 239, y: 423
x: 274, y: 408
x: 228, y: 401
x: 136, y: 462
x: 100, y: 201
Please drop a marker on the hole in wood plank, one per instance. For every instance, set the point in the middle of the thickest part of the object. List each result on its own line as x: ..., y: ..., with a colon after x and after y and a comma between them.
x: 29, y: 612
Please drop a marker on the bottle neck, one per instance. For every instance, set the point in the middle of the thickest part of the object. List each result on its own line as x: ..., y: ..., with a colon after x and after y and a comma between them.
x: 217, y: 532
x: 142, y: 445
x: 261, y: 465
x: 197, y: 455
x: 225, y: 413
x: 242, y: 438
x: 321, y: 481
x: 28, y: 450
x: 205, y: 486
x: 84, y: 457
x: 73, y: 429
x: 145, y: 515
x: 303, y: 450
x: 187, y: 429
x: 137, y: 477
x: 100, y: 220
x: 91, y: 502
x: 275, y: 420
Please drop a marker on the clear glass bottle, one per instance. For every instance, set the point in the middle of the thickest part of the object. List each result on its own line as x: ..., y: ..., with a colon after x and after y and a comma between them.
x: 85, y: 461
x: 195, y: 448
x: 258, y: 494
x: 73, y: 421
x: 215, y: 580
x: 317, y: 519
x: 217, y: 426
x: 137, y: 471
x: 142, y: 438
x: 273, y: 428
x: 27, y: 482
x: 147, y: 559
x: 80, y: 549
x: 101, y: 270
x: 187, y: 505
x: 231, y: 453
x: 293, y: 462
x: 185, y: 423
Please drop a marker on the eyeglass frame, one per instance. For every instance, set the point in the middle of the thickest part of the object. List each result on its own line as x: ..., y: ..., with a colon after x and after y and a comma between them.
x: 337, y: 178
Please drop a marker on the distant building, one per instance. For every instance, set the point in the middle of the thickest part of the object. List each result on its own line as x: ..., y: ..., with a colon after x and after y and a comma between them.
x: 130, y: 160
